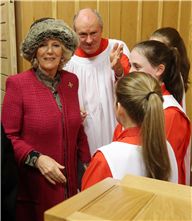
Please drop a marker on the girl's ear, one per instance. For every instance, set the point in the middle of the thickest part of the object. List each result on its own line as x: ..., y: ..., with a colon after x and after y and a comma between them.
x: 118, y: 106
x: 120, y: 109
x: 119, y: 113
x: 159, y: 71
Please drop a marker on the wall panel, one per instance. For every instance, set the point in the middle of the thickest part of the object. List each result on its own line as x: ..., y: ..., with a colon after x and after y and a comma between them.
x: 170, y: 13
x: 115, y: 19
x: 4, y: 49
x: 185, y: 17
x: 65, y: 11
x: 4, y: 30
x: 149, y: 19
x: 86, y: 4
x: 5, y: 66
x: 2, y: 95
x: 8, y: 60
x: 129, y: 22
x: 3, y: 80
x: 42, y: 9
x: 103, y: 8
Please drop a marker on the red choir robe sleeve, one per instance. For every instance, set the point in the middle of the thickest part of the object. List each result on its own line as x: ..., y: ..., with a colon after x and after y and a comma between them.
x: 125, y: 64
x: 176, y: 121
x: 97, y: 170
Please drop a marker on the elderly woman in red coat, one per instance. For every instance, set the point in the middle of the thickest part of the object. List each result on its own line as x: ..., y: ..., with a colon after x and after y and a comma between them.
x: 42, y: 118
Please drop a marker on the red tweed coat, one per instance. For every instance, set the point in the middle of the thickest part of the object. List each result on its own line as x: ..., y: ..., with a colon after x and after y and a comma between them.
x: 33, y: 121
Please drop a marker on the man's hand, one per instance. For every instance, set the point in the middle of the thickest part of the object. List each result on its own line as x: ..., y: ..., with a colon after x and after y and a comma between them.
x: 115, y: 57
x: 83, y: 114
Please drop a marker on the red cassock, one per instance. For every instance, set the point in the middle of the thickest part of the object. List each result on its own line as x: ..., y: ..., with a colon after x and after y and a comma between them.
x: 33, y: 121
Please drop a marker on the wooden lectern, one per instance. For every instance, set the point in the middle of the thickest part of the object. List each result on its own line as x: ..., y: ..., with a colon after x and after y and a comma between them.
x: 132, y: 198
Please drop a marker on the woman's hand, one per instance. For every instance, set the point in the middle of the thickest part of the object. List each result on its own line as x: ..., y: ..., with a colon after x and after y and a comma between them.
x: 50, y: 169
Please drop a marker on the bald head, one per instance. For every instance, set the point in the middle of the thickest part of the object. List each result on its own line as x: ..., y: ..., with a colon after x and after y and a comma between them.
x: 87, y: 16
x: 88, y: 25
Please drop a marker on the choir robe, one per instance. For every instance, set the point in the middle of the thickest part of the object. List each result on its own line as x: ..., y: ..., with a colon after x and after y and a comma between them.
x: 178, y: 133
x: 33, y: 121
x: 120, y: 158
x: 96, y: 90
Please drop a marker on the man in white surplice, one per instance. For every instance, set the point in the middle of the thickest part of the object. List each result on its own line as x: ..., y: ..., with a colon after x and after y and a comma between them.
x: 98, y: 62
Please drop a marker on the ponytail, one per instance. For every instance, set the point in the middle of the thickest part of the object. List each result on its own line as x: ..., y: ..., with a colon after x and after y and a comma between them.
x: 171, y: 37
x: 172, y: 76
x: 140, y: 95
x: 155, y: 152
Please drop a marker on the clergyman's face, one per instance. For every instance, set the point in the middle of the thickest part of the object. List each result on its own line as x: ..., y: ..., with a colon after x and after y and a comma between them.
x: 90, y: 34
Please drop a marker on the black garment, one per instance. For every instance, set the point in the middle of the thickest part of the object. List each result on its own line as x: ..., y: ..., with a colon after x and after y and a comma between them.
x: 9, y: 179
x: 80, y: 172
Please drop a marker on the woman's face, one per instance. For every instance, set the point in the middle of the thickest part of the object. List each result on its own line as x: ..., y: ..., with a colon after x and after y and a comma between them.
x: 140, y: 63
x: 49, y: 55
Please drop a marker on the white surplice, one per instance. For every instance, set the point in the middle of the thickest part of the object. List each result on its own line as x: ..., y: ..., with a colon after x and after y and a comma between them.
x: 96, y: 94
x: 125, y: 158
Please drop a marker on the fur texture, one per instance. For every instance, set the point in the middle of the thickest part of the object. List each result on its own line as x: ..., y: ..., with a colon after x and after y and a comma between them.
x: 51, y: 29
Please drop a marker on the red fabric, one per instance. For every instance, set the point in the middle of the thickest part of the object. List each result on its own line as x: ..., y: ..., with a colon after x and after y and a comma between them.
x: 33, y: 121
x: 103, y: 45
x: 125, y: 63
x: 178, y: 134
x: 98, y: 168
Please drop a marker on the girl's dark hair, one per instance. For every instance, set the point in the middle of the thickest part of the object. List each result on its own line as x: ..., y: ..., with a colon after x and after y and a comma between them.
x: 172, y: 38
x: 158, y: 53
x: 140, y: 94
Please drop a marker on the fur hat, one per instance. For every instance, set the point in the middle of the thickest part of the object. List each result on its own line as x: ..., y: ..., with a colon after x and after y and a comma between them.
x: 48, y: 28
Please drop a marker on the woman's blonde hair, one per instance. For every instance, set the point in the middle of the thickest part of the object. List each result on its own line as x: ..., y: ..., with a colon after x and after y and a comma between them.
x: 140, y: 94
